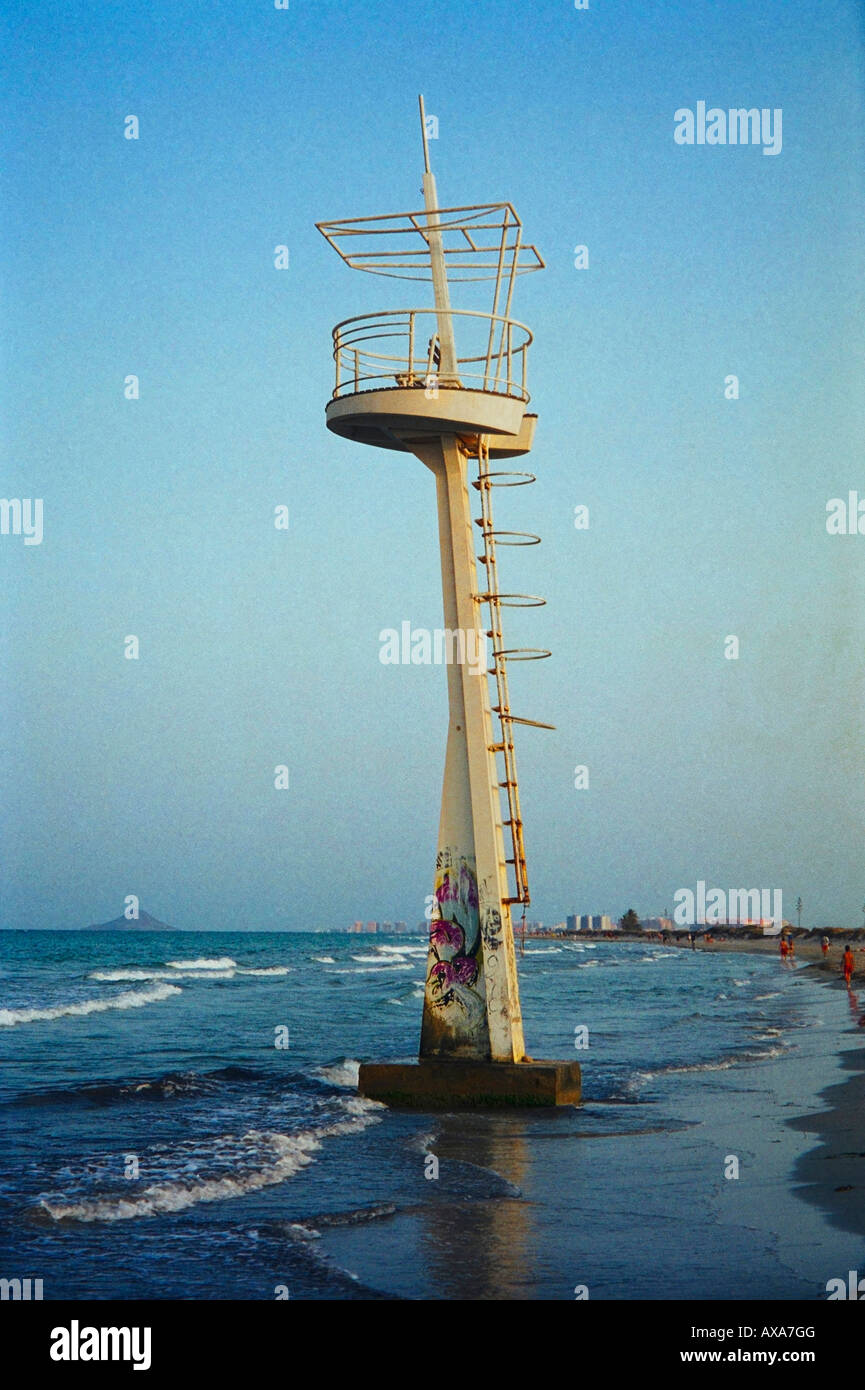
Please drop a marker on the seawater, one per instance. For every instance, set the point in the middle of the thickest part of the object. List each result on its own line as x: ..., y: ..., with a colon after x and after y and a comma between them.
x: 159, y: 1143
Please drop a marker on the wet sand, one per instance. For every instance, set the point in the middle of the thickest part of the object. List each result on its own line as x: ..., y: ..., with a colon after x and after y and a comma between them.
x: 831, y: 1176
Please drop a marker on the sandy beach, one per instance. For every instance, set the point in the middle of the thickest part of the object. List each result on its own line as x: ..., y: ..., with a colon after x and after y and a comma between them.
x: 832, y: 1175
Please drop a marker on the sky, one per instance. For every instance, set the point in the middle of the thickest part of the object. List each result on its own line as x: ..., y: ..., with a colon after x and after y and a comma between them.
x: 259, y: 647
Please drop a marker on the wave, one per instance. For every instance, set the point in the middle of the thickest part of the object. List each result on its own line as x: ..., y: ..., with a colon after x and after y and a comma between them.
x: 384, y: 964
x: 405, y: 950
x: 343, y: 1073
x: 265, y: 970
x: 289, y: 1153
x: 171, y: 1086
x: 720, y: 1063
x: 204, y: 963
x: 115, y: 976
x: 382, y: 968
x: 211, y: 972
x: 351, y: 1218
x: 131, y: 999
x: 324, y: 960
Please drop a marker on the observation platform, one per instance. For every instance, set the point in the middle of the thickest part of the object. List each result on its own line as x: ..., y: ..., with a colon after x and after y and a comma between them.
x: 390, y: 391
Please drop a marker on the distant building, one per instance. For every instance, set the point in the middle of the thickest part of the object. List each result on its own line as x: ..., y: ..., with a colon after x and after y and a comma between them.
x: 356, y: 926
x: 372, y: 926
x: 657, y: 924
x: 598, y: 921
x: 400, y: 927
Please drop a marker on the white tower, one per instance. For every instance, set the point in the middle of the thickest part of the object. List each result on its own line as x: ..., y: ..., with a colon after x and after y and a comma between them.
x: 449, y: 386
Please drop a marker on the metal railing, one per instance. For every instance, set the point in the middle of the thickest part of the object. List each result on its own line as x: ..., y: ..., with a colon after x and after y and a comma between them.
x: 411, y: 358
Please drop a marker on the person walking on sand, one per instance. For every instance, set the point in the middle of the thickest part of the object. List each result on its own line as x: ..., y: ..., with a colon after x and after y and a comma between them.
x: 824, y: 946
x: 847, y: 964
x: 783, y: 948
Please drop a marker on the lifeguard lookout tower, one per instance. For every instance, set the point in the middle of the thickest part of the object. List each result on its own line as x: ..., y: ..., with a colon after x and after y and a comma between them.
x: 449, y: 386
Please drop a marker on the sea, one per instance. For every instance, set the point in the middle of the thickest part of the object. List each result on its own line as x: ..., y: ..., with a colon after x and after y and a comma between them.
x: 180, y: 1120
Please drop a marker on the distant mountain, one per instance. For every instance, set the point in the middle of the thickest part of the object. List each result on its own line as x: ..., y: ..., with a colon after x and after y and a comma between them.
x: 143, y: 922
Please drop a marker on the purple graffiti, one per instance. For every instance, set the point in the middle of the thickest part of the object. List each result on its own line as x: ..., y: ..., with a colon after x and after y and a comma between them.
x: 444, y: 933
x: 442, y: 974
x: 468, y: 887
x: 448, y: 889
x: 465, y: 969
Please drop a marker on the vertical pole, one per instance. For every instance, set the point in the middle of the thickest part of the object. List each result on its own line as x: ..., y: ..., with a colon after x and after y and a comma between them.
x: 448, y: 366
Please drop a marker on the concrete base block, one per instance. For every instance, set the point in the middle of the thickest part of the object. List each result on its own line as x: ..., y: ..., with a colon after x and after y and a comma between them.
x: 430, y: 1084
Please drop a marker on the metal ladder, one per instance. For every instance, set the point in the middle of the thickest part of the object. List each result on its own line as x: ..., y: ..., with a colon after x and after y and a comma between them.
x: 495, y: 601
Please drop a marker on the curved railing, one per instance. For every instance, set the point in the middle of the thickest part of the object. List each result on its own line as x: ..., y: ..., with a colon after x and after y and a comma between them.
x: 407, y: 353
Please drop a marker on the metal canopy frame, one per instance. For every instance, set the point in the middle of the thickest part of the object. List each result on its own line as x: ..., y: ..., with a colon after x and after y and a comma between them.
x: 359, y: 241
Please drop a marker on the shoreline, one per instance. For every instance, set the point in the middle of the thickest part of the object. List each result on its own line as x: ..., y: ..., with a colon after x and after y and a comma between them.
x: 831, y: 1175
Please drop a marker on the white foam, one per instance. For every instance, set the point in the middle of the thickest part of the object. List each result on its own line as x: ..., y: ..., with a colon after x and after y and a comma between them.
x: 383, y: 963
x: 113, y: 976
x: 265, y: 970
x: 324, y: 960
x: 383, y: 968
x: 131, y: 999
x: 204, y: 963
x: 291, y: 1153
x: 344, y: 1073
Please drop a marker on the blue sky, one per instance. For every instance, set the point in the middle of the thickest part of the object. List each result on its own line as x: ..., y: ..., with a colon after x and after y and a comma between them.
x: 260, y: 647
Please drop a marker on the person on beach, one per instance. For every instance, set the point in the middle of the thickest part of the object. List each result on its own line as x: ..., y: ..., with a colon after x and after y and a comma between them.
x: 783, y: 948
x: 791, y: 947
x: 824, y: 946
x: 848, y: 965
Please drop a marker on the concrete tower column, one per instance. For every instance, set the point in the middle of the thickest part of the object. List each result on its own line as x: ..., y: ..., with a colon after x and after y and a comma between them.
x: 471, y: 1000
